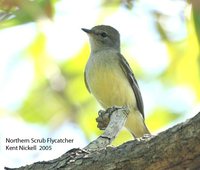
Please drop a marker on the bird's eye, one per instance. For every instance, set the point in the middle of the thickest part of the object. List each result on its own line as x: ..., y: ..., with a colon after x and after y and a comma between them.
x: 104, y: 35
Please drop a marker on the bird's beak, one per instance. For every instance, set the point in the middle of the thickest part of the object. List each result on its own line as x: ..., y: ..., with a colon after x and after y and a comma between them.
x: 87, y: 30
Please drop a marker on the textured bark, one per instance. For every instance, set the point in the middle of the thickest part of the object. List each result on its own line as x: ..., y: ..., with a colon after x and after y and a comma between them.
x: 117, y: 121
x: 174, y: 149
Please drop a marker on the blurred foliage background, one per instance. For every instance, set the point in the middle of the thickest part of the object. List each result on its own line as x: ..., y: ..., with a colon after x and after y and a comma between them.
x: 43, y: 55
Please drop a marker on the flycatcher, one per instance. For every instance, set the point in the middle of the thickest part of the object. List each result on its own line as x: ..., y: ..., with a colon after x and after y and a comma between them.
x: 110, y: 79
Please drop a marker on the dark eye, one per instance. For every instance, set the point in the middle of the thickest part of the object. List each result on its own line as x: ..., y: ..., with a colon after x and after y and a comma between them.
x: 103, y: 34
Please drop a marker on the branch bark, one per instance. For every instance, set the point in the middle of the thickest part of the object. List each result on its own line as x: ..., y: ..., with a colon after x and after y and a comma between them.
x: 174, y: 149
x: 117, y: 121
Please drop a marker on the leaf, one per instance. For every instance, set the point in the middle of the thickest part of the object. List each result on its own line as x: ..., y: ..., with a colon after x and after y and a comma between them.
x: 25, y: 11
x: 159, y: 118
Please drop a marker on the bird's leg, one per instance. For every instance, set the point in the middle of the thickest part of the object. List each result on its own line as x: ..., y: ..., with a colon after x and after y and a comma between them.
x: 104, y: 117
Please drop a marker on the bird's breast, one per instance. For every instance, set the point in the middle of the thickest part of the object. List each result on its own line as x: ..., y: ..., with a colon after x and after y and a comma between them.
x: 108, y: 83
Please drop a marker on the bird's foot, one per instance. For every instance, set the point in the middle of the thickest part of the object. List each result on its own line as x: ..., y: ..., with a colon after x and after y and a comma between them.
x: 104, y: 117
x: 146, y: 137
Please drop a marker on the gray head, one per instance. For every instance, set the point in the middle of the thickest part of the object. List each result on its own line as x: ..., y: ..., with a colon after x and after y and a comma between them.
x: 102, y: 37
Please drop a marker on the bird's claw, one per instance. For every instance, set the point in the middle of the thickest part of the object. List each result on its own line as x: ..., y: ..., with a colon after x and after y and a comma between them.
x: 146, y: 137
x: 104, y: 117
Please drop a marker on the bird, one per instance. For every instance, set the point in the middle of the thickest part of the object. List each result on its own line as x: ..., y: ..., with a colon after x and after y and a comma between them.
x: 110, y: 79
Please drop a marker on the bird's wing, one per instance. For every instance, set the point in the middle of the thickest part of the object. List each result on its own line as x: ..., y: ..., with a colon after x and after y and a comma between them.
x: 86, y: 84
x: 131, y: 78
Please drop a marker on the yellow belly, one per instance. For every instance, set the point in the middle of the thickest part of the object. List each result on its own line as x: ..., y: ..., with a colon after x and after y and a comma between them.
x: 111, y: 87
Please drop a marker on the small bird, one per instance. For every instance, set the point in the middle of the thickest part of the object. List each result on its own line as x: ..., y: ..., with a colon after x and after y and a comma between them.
x: 109, y: 78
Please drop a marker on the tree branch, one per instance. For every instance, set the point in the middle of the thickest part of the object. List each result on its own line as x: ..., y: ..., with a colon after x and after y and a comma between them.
x: 117, y: 121
x: 175, y: 148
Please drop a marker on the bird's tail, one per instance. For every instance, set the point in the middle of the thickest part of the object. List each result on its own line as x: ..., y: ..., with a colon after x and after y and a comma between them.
x: 136, y: 125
